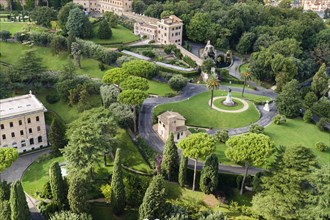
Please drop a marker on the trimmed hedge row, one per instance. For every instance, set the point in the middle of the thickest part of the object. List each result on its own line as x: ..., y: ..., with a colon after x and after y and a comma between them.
x: 186, y: 74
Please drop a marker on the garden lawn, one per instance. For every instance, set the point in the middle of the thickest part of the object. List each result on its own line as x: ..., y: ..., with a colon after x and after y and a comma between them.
x: 159, y: 88
x: 296, y: 131
x: 198, y: 113
x: 120, y: 35
x: 10, y: 52
x: 36, y: 175
x: 14, y: 27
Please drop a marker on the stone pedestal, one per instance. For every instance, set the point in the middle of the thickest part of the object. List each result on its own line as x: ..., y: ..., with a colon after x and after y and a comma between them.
x: 266, y: 107
x: 229, y: 100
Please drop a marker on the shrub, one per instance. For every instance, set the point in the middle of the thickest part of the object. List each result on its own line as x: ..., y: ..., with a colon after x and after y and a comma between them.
x: 122, y: 114
x: 279, y: 119
x: 101, y: 66
x: 222, y: 136
x: 140, y: 68
x: 135, y: 188
x: 178, y: 82
x: 189, y: 61
x: 104, y: 31
x: 321, y: 107
x: 48, y: 209
x: 308, y: 116
x: 21, y: 36
x: 4, y: 35
x: 52, y: 98
x: 177, y: 53
x: 310, y: 99
x: 124, y: 59
x: 46, y: 191
x: 321, y: 124
x: 149, y: 53
x: 255, y: 128
x: 169, y: 48
x: 321, y: 146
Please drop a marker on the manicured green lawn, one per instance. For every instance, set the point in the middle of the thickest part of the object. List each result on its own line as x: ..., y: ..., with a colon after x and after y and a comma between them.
x: 158, y: 88
x: 10, y: 52
x: 14, y: 27
x: 36, y: 175
x: 296, y: 131
x: 120, y: 35
x: 198, y: 113
x: 234, y: 85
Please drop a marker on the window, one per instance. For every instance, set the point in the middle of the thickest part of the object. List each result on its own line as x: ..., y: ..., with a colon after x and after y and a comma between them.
x: 29, y: 120
x: 31, y: 141
x: 13, y: 134
x: 178, y: 136
x: 3, y: 137
x: 2, y: 126
x: 20, y: 122
x: 14, y: 144
x: 11, y: 124
x: 37, y: 118
x: 39, y: 139
x: 30, y: 130
x: 23, y: 144
x: 22, y: 132
x: 38, y: 128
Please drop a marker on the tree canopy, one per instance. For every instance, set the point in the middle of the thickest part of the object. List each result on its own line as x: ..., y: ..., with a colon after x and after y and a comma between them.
x: 140, y: 68
x: 8, y: 155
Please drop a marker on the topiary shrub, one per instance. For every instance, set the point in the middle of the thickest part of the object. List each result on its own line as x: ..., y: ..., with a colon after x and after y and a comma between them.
x: 279, y: 119
x: 101, y: 66
x: 46, y: 191
x: 255, y: 128
x: 178, y: 82
x: 308, y: 116
x: 222, y: 136
x: 321, y: 124
x: 52, y: 98
x: 321, y: 146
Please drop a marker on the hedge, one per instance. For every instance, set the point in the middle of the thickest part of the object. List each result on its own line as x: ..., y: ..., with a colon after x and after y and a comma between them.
x: 186, y: 74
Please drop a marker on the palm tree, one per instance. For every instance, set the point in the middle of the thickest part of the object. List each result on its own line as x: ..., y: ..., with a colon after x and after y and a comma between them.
x: 212, y: 83
x: 246, y: 76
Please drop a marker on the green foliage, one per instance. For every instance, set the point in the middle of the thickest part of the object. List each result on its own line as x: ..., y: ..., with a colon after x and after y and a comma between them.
x: 310, y: 99
x: 6, y: 85
x: 109, y: 94
x: 104, y: 31
x: 207, y: 65
x: 308, y: 116
x: 56, y: 135
x: 132, y: 97
x: 134, y: 82
x: 106, y: 191
x: 321, y: 146
x: 147, y: 151
x: 8, y: 155
x: 57, y: 185
x: 117, y: 196
x: 288, y: 102
x: 178, y: 82
x: 153, y: 205
x: 140, y: 68
x: 52, y: 98
x: 57, y: 44
x: 69, y: 215
x: 4, y: 35
x: 279, y: 119
x: 115, y: 76
x: 189, y: 61
x: 222, y: 136
x: 63, y: 15
x: 170, y: 159
x: 246, y: 42
x: 321, y: 123
x: 149, y: 53
x: 197, y: 29
x: 18, y: 204
x: 123, y: 59
x: 4, y: 209
x: 135, y: 188
x: 320, y: 81
x: 321, y: 107
x: 122, y: 114
x: 209, y: 174
x: 183, y: 171
x: 77, y: 194
x: 169, y: 48
x: 47, y: 209
x: 111, y: 18
x: 43, y: 15
x: 46, y: 191
x: 78, y: 24
x: 255, y: 128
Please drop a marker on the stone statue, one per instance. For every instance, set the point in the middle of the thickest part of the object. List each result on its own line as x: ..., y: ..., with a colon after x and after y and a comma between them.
x: 229, y: 101
x: 266, y: 107
x: 208, y: 51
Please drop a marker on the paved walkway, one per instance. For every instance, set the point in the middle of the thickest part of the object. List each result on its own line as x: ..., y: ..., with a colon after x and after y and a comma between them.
x: 174, y: 67
x: 244, y: 108
x: 139, y: 56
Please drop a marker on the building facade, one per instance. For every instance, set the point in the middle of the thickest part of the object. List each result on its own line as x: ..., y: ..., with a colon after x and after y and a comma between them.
x: 165, y: 31
x: 172, y: 122
x: 22, y: 123
x: 117, y: 6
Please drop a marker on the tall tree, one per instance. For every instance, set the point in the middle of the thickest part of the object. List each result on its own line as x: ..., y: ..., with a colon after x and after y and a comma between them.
x: 198, y: 27
x: 288, y: 102
x: 246, y: 42
x: 320, y: 81
x: 183, y: 171
x: 43, y: 16
x: 109, y: 94
x: 209, y: 174
x: 104, y: 31
x: 207, y: 65
x: 153, y: 205
x: 197, y: 146
x: 170, y: 161
x: 8, y: 155
x: 249, y: 150
x: 56, y: 135
x: 77, y: 194
x: 63, y: 15
x: 18, y: 205
x: 212, y: 84
x: 78, y: 24
x: 6, y: 86
x: 57, y: 185
x: 133, y: 98
x: 134, y: 82
x: 117, y: 196
x: 285, y: 190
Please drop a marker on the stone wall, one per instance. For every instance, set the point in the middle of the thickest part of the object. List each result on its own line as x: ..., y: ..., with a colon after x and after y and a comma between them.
x: 187, y: 53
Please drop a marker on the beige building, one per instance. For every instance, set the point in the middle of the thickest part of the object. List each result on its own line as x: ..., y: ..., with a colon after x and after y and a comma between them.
x: 102, y: 6
x: 172, y: 122
x: 22, y: 123
x: 165, y: 31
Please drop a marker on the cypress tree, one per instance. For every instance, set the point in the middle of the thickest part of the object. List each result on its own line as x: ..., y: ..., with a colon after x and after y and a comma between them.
x: 153, y: 205
x: 209, y: 174
x: 77, y: 194
x: 57, y: 135
x: 117, y: 197
x: 183, y: 170
x: 18, y: 205
x: 104, y: 31
x: 57, y: 185
x: 170, y: 162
